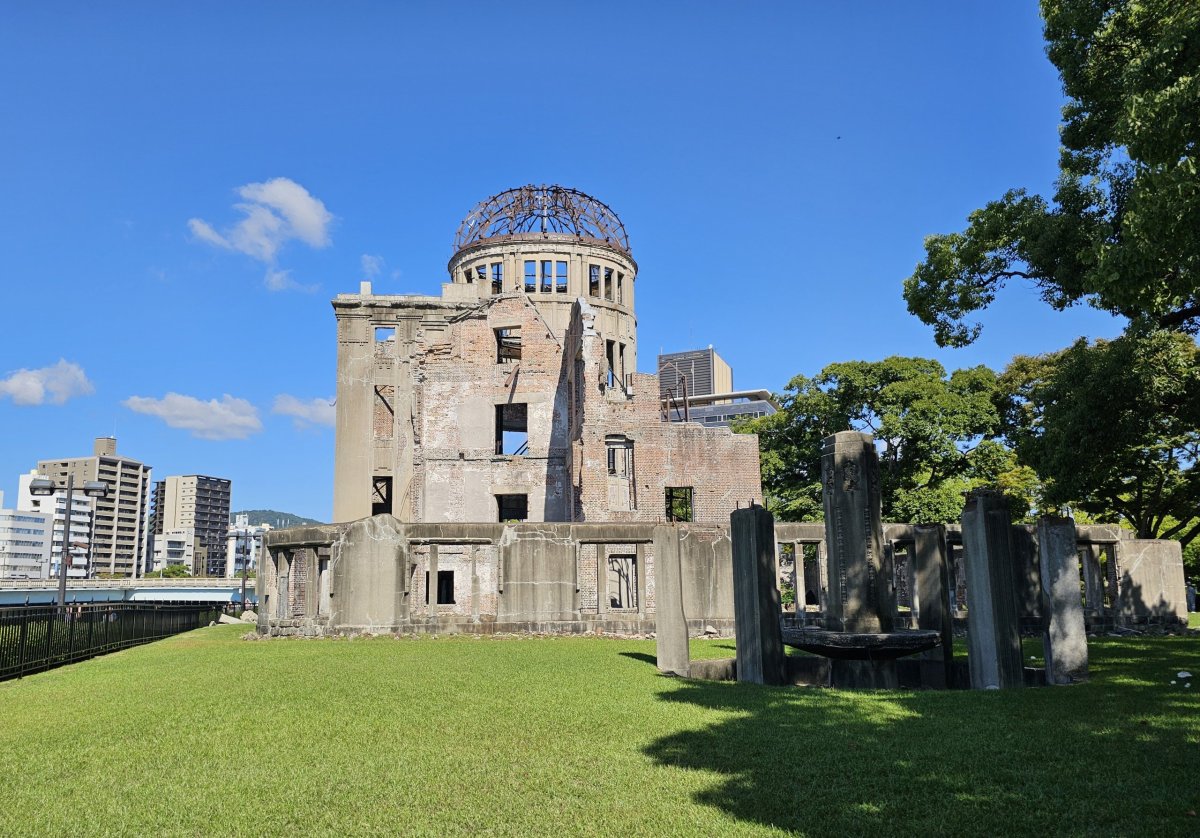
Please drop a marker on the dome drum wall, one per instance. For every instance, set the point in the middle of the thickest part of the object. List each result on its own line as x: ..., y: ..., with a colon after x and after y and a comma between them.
x: 553, y: 267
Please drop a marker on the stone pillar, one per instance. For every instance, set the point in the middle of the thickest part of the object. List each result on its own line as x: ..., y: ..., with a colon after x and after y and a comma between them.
x: 993, y: 637
x: 670, y: 625
x: 602, y: 603
x: 639, y: 567
x: 1065, y: 634
x: 860, y: 590
x: 930, y: 586
x: 756, y: 609
x: 1093, y: 580
x: 431, y: 583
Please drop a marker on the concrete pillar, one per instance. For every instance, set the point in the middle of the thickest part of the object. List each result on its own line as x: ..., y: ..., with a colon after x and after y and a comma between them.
x: 431, y: 584
x: 601, y: 580
x: 670, y: 628
x: 1093, y: 580
x: 756, y: 608
x: 1065, y: 634
x: 993, y: 637
x: 860, y: 589
x: 639, y: 565
x: 798, y: 577
x: 930, y: 586
x: 475, y: 586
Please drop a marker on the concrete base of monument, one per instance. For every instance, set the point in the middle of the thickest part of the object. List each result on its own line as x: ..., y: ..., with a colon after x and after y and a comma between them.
x: 861, y: 646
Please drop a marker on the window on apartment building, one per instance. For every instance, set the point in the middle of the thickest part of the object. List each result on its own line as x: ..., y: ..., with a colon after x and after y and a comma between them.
x: 608, y: 289
x: 512, y: 429
x: 622, y: 582
x: 508, y: 344
x: 445, y: 587
x: 620, y: 288
x: 560, y: 277
x: 530, y: 277
x: 593, y: 280
x: 385, y: 333
x: 497, y: 277
x: 679, y: 504
x: 512, y: 507
x: 381, y: 495
x: 547, y: 276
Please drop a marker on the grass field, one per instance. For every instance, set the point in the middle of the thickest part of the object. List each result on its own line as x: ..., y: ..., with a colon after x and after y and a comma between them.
x: 207, y: 734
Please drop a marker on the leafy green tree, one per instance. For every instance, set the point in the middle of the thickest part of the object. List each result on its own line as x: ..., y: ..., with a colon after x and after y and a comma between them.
x: 1123, y: 229
x: 927, y: 426
x: 1113, y: 428
x: 171, y: 571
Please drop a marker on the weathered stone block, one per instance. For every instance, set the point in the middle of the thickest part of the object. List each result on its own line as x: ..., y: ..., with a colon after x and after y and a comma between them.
x: 1065, y: 635
x: 993, y: 635
x: 756, y: 597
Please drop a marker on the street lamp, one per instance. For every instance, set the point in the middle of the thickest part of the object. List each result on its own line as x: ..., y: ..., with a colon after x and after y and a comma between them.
x: 46, y: 486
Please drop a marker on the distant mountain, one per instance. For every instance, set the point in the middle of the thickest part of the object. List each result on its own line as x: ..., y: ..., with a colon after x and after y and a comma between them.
x: 278, y: 520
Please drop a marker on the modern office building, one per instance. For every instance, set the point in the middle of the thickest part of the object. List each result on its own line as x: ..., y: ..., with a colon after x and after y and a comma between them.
x: 697, y: 386
x: 82, y: 515
x: 195, y: 502
x: 121, y: 524
x: 705, y: 371
x: 24, y: 543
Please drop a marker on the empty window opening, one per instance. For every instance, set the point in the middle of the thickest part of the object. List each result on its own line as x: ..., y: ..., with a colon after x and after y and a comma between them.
x: 530, y: 277
x: 594, y: 280
x: 560, y: 277
x: 621, y: 362
x: 512, y: 429
x: 679, y: 504
x: 468, y: 277
x: 481, y: 273
x: 497, y: 277
x: 608, y: 277
x: 810, y: 556
x: 622, y: 582
x: 610, y: 351
x: 385, y: 333
x: 445, y: 587
x: 620, y: 288
x: 508, y: 345
x: 381, y: 495
x: 620, y: 456
x: 512, y: 507
x: 547, y: 276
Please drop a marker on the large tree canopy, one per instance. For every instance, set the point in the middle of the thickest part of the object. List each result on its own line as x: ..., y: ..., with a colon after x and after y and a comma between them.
x: 928, y: 427
x: 1113, y: 428
x: 1123, y: 229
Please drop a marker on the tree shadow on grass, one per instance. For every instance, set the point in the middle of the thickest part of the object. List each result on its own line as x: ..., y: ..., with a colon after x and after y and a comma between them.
x: 834, y: 762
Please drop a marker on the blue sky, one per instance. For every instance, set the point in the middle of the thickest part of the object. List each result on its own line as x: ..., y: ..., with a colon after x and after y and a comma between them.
x: 776, y: 165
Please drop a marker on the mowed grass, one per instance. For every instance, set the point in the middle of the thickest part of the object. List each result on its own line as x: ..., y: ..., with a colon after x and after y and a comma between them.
x: 206, y: 734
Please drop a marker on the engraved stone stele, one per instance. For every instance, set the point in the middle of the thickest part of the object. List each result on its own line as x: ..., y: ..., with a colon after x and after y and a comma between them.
x: 756, y: 604
x: 933, y: 602
x: 993, y: 634
x: 670, y: 630
x: 1065, y: 634
x: 860, y: 589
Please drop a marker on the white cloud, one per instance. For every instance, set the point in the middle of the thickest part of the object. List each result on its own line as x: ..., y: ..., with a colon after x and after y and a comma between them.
x: 276, y: 212
x: 55, y: 384
x: 314, y: 412
x: 279, y: 280
x: 229, y: 418
x: 371, y: 265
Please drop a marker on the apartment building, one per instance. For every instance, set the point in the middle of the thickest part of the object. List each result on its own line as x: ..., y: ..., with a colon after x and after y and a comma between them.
x: 24, y: 544
x: 120, y: 526
x: 199, y: 503
x: 82, y: 515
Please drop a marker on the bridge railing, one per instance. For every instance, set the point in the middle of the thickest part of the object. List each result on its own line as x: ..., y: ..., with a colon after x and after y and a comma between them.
x: 34, y: 638
x: 140, y: 582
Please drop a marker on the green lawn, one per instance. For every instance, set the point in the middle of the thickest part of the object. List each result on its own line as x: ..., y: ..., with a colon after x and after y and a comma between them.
x: 206, y: 734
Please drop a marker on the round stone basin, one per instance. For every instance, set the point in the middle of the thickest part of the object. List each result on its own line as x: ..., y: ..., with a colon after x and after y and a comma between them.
x: 849, y: 645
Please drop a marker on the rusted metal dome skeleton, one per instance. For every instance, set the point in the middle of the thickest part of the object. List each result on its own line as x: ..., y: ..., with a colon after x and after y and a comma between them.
x: 529, y: 211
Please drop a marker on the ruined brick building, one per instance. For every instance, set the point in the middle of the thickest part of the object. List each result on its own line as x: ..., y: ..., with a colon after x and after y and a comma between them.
x: 500, y: 464
x: 514, y: 395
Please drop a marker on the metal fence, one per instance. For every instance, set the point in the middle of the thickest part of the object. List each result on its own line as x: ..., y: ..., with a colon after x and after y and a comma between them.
x: 34, y: 638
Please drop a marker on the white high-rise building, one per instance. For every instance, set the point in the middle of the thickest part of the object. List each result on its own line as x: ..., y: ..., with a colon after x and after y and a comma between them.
x: 81, y: 524
x: 243, y: 546
x: 24, y: 543
x: 180, y: 546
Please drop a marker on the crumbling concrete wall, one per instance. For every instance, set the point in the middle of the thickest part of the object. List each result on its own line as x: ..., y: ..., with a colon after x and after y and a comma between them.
x: 1151, y: 587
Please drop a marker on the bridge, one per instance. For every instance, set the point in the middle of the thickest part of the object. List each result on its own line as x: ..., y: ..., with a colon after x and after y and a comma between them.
x: 41, y: 591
